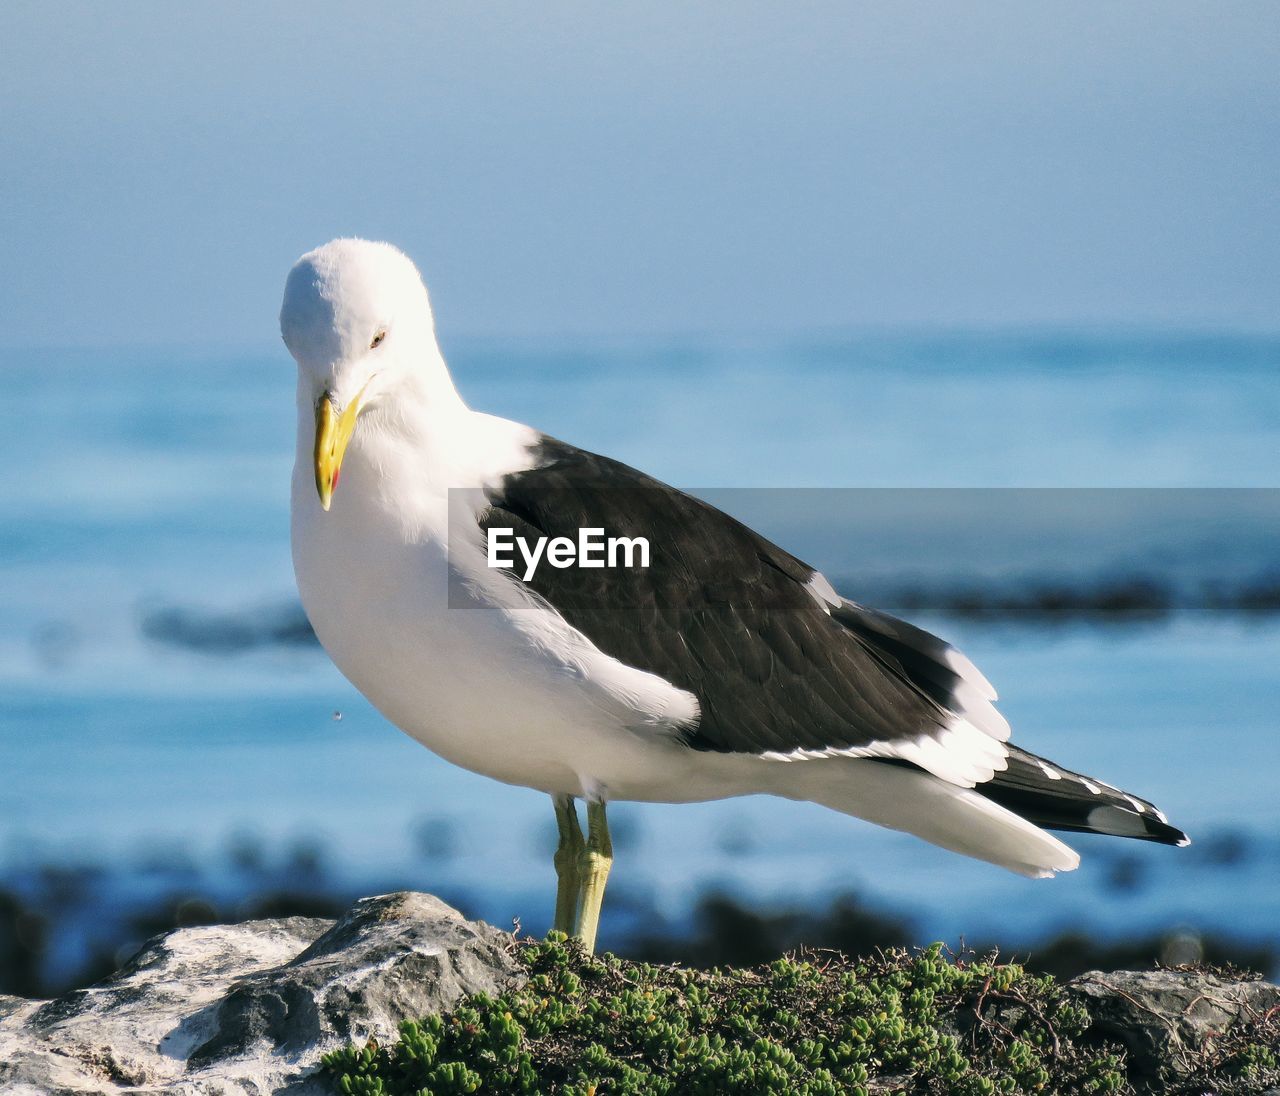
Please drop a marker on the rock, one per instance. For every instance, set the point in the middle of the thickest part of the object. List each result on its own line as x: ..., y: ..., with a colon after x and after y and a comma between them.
x: 1167, y: 1018
x: 250, y: 1008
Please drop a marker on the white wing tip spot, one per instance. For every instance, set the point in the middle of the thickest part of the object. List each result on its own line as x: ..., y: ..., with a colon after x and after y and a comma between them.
x: 961, y: 665
x: 823, y: 592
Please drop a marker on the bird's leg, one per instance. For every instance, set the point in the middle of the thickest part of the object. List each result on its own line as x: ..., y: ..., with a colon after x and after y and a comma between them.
x: 597, y: 859
x: 568, y: 860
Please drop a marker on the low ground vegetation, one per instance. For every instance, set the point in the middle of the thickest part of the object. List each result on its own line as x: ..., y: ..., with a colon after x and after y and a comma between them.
x: 815, y: 1023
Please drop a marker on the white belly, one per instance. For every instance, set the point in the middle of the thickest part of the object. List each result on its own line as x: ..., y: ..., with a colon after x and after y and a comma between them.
x: 479, y: 684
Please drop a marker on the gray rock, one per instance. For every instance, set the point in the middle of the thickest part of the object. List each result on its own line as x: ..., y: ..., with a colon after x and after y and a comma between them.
x: 1166, y: 1018
x: 249, y: 1009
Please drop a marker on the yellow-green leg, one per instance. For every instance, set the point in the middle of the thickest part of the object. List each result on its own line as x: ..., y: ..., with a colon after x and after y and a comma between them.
x: 568, y: 855
x: 582, y: 870
x: 596, y: 862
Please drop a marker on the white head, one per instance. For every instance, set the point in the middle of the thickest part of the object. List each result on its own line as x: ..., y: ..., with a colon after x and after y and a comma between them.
x: 357, y: 320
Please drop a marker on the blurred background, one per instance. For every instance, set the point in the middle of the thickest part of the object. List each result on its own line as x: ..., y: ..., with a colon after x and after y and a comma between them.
x: 846, y: 269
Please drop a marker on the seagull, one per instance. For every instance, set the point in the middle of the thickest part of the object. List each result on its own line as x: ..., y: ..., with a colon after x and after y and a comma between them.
x: 555, y: 619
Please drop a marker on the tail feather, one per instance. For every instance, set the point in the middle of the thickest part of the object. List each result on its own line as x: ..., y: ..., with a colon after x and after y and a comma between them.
x: 903, y: 797
x: 1057, y: 799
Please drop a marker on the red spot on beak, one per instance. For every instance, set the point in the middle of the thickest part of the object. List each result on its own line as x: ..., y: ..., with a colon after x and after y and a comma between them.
x: 336, y: 473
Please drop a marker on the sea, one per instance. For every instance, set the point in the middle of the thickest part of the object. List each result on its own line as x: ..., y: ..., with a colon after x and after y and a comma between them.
x: 1092, y: 516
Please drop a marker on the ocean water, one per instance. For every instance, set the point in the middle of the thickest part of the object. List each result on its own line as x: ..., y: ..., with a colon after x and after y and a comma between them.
x: 139, y: 482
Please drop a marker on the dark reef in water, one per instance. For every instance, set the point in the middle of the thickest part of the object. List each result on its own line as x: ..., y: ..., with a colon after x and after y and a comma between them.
x: 64, y: 927
x: 1036, y: 601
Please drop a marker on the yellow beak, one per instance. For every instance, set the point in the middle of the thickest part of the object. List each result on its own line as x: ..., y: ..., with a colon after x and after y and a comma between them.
x: 333, y: 431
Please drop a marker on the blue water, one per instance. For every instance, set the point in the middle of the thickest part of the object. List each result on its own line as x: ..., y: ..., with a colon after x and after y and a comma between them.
x: 141, y: 480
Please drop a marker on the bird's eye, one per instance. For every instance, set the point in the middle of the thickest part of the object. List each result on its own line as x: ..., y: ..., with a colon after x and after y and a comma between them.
x: 377, y: 340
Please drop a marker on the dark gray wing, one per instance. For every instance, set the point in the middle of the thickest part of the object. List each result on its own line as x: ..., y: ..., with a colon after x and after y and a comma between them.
x: 730, y: 617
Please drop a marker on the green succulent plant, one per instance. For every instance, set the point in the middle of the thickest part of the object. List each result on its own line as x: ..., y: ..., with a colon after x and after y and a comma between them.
x: 814, y: 1024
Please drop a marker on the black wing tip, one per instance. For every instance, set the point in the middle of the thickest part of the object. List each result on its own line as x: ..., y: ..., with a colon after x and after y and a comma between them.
x: 1055, y: 798
x: 1144, y: 826
x: 1116, y: 819
x: 1134, y: 826
x: 1166, y: 834
x: 1154, y: 826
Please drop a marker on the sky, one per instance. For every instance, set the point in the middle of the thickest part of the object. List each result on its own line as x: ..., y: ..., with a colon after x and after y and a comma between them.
x: 583, y: 169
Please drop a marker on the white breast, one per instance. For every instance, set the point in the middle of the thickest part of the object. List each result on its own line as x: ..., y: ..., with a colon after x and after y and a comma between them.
x: 455, y: 654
